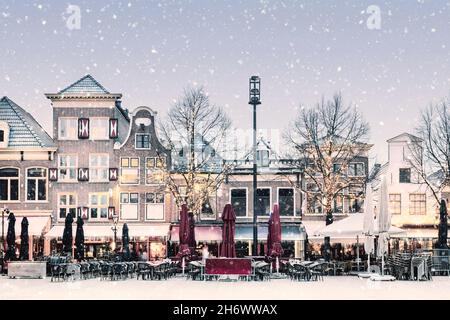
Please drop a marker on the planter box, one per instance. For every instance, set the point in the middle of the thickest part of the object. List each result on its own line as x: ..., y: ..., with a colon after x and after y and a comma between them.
x: 228, y: 266
x: 27, y: 269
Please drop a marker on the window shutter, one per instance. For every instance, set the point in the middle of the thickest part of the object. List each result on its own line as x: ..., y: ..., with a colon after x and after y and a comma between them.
x: 83, y: 174
x: 53, y: 174
x: 113, y: 128
x: 83, y: 128
x: 113, y: 174
x: 83, y: 212
x: 111, y: 212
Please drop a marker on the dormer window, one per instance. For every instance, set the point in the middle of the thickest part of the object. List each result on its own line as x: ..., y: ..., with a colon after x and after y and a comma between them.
x: 263, y: 158
x: 4, y: 134
x: 142, y: 141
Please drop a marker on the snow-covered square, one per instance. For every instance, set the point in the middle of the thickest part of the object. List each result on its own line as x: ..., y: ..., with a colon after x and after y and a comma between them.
x: 345, y: 288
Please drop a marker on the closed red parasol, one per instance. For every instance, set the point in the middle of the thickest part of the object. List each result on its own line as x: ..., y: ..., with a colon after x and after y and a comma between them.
x: 228, y: 216
x: 274, y: 236
x: 184, y: 232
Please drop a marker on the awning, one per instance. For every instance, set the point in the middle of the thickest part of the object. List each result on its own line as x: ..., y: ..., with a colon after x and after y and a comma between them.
x: 419, y: 233
x: 312, y: 225
x: 101, y: 231
x: 36, y: 225
x: 202, y: 233
x: 350, y: 228
x: 288, y: 233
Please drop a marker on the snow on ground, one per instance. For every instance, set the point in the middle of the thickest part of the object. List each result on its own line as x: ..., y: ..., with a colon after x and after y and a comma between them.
x: 179, y: 288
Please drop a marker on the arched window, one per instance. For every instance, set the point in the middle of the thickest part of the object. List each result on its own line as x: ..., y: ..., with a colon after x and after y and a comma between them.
x: 9, y: 184
x: 36, y: 184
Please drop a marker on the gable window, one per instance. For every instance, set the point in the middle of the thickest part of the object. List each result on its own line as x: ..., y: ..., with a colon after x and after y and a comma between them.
x: 153, y: 175
x: 154, y: 206
x: 67, y: 204
x: 337, y: 167
x: 161, y: 162
x: 67, y: 128
x: 208, y: 211
x: 9, y: 184
x: 98, y: 206
x: 99, y: 167
x: 263, y: 201
x: 356, y: 169
x: 99, y: 128
x: 36, y: 184
x: 142, y: 141
x: 129, y: 170
x: 129, y: 206
x: 417, y: 204
x: 238, y: 199
x: 314, y: 202
x: 286, y: 201
x: 395, y: 203
x: 405, y: 175
x: 338, y: 204
x: 67, y: 166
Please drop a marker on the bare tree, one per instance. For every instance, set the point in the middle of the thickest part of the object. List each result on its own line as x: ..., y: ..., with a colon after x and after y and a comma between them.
x: 328, y: 138
x: 430, y: 151
x: 196, y: 130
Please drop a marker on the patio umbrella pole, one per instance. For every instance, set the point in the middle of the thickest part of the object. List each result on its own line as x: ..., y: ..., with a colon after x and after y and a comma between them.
x: 277, y: 264
x: 357, y: 252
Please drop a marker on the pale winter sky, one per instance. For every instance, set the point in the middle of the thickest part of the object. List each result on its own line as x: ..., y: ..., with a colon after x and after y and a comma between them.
x: 151, y: 50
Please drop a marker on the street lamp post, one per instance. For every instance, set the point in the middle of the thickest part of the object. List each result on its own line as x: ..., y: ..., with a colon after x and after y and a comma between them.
x: 5, y: 210
x: 115, y: 219
x: 255, y: 100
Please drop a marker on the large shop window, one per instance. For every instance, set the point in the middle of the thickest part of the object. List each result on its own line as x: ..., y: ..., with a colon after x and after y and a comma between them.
x: 99, y: 167
x: 154, y: 206
x: 99, y: 128
x: 286, y: 201
x: 9, y: 184
x: 263, y: 201
x: 142, y: 141
x: 129, y: 170
x: 67, y: 128
x: 67, y: 165
x: 67, y: 203
x: 239, y: 202
x: 98, y: 206
x: 356, y: 169
x: 129, y: 206
x: 417, y: 204
x: 355, y: 205
x: 395, y: 203
x: 36, y: 184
